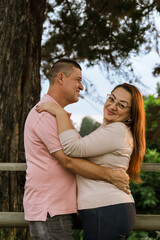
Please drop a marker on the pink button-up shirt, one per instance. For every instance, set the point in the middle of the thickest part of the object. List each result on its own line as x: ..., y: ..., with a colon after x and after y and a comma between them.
x: 49, y: 187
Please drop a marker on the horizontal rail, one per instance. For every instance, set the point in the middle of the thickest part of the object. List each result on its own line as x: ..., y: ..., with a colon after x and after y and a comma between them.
x: 13, y: 167
x: 143, y: 222
x: 148, y: 167
x: 147, y: 222
x: 12, y: 219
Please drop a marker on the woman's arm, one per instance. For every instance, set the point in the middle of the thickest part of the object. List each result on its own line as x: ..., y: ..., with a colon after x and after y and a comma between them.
x: 87, y: 169
x: 63, y: 121
x: 82, y: 166
x: 103, y: 140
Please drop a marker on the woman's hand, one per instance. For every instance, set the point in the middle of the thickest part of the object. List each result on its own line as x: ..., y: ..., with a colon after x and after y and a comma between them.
x: 50, y: 107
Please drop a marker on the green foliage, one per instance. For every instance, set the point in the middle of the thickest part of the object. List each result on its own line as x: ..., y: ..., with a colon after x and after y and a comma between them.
x: 158, y: 89
x: 152, y: 156
x: 78, y: 234
x: 136, y: 235
x: 147, y: 194
x: 100, y: 32
x: 88, y: 125
x: 152, y: 109
x: 156, y: 71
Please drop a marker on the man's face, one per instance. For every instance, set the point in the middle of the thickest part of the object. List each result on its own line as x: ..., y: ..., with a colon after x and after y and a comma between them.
x: 72, y: 85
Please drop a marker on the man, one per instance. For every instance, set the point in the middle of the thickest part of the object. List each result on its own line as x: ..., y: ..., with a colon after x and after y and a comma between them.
x: 50, y: 189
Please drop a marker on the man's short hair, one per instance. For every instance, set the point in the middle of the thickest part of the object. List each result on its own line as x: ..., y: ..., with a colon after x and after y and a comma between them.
x: 63, y: 65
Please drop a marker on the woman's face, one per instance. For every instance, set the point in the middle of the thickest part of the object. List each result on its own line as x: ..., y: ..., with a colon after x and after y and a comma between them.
x: 117, y: 106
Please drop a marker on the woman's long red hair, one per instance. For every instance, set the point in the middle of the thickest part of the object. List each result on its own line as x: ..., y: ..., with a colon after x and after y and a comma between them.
x: 137, y: 125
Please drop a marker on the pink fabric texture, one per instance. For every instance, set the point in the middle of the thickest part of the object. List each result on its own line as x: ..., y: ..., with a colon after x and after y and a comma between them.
x: 49, y: 187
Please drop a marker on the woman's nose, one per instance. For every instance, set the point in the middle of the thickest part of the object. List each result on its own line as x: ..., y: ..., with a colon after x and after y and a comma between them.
x: 113, y: 105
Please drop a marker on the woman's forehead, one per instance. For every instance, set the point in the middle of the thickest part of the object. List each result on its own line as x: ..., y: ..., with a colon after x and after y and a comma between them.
x: 122, y: 94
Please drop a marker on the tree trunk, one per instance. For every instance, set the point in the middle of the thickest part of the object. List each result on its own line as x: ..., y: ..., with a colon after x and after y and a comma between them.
x: 20, y: 54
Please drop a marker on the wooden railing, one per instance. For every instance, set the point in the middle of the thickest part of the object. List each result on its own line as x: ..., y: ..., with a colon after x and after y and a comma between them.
x: 16, y: 219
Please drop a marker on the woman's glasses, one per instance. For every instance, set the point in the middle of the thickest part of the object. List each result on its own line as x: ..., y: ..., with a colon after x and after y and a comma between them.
x: 120, y: 104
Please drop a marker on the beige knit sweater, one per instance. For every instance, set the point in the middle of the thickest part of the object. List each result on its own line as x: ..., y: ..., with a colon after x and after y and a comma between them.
x: 110, y: 146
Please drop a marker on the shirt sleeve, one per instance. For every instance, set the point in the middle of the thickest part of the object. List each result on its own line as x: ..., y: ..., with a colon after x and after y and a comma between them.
x: 47, y: 131
x: 105, y: 139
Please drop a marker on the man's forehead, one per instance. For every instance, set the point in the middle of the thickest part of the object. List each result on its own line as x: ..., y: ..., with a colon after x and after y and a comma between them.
x: 78, y: 72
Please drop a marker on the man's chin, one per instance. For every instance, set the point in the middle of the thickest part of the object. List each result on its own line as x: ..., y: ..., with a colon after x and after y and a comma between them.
x: 74, y: 101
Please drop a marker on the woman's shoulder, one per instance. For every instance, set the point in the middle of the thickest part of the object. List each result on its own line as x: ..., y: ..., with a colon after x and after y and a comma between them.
x: 119, y: 125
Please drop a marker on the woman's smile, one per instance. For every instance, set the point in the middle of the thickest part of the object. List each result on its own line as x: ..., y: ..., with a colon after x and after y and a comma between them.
x: 109, y: 112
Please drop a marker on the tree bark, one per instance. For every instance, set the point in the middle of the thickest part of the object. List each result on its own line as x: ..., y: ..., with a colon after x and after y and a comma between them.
x: 20, y: 55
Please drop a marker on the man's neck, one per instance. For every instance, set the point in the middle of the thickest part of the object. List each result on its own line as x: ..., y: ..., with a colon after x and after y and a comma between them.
x: 56, y: 96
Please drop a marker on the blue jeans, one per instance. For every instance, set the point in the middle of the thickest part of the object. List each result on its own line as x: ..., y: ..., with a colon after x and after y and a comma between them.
x: 108, y: 223
x: 54, y: 228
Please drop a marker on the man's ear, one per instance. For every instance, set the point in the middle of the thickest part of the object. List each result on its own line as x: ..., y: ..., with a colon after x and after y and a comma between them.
x: 60, y: 77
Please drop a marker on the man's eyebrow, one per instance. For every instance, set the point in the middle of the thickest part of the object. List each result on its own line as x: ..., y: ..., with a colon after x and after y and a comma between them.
x: 119, y: 100
x: 113, y: 95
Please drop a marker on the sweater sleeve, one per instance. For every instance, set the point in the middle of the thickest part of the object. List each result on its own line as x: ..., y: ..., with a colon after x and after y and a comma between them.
x: 105, y: 139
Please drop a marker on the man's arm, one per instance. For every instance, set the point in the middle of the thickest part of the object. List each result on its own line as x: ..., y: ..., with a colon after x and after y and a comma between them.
x: 87, y: 169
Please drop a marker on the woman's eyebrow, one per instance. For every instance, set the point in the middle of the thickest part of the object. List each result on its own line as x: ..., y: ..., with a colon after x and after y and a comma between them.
x: 119, y: 100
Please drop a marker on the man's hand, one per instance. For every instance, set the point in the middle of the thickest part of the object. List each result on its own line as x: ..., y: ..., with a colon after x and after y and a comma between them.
x: 120, y: 179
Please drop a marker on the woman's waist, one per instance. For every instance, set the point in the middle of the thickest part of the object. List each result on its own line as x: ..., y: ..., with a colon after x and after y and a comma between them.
x: 99, y: 198
x: 98, y: 189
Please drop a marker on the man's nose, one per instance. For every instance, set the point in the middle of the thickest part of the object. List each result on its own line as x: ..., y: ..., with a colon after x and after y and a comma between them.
x: 81, y: 87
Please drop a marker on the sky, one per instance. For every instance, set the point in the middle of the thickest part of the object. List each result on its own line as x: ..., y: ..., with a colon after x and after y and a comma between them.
x: 92, y: 108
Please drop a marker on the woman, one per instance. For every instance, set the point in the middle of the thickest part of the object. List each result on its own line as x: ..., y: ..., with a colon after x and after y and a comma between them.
x: 107, y: 213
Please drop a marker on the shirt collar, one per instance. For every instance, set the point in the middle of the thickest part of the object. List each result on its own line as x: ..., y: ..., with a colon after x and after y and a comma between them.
x: 51, y: 99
